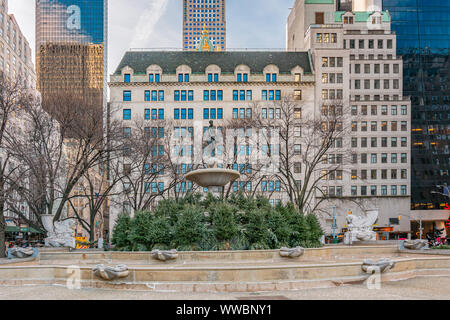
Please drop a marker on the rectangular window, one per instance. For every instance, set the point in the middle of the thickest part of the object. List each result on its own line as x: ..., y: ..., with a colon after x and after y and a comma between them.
x: 393, y: 125
x: 213, y: 95
x: 245, y: 77
x: 274, y: 77
x: 176, y: 114
x: 236, y: 95
x: 205, y: 95
x: 242, y: 95
x: 151, y: 78
x: 183, y: 95
x: 147, y: 95
x: 154, y: 95
x: 206, y: 113
x: 161, y: 95
x: 190, y: 114
x: 176, y: 96
x: 393, y: 190
x: 268, y: 77
x: 190, y: 95
x: 264, y: 95
x: 278, y: 95
x: 157, y: 77
x: 127, y: 77
x: 271, y: 95
x: 126, y: 114
x: 127, y: 95
x: 161, y: 114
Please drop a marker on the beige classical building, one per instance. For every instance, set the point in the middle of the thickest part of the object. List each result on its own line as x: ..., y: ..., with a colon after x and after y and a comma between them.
x: 331, y: 56
x: 189, y: 89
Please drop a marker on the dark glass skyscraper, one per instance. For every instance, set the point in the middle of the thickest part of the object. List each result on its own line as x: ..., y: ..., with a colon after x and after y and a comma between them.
x: 423, y: 39
x: 71, y: 44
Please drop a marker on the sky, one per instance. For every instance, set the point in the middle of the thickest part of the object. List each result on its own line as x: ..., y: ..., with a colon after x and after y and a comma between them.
x: 158, y: 24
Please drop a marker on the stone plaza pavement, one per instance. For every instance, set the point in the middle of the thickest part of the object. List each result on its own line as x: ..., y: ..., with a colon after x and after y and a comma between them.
x: 428, y: 288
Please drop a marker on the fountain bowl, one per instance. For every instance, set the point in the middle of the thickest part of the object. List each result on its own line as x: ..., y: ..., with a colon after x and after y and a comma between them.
x: 213, y: 177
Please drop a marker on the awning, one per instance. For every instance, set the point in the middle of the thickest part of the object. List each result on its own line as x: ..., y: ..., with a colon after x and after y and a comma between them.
x: 18, y: 229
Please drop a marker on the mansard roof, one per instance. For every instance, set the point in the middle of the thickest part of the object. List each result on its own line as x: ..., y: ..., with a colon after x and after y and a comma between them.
x: 227, y: 61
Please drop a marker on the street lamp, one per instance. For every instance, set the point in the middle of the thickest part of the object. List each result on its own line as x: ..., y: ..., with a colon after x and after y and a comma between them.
x: 415, y: 219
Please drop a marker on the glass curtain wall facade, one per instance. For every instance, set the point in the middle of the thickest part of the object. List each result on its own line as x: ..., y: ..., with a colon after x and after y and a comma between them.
x: 71, y: 48
x: 423, y: 39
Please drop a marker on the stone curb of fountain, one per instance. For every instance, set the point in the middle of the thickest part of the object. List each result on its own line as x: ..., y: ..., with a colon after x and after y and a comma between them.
x: 7, y: 261
x: 432, y: 252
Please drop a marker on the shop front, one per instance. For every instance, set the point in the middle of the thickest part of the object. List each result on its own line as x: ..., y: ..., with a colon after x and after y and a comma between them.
x: 13, y: 233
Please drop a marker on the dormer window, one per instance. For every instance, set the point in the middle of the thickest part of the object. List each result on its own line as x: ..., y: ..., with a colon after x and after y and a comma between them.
x: 153, y: 77
x: 348, y: 20
x: 242, y: 77
x: 376, y: 20
x: 271, y: 77
x: 213, y: 77
x: 183, y: 77
x: 127, y: 78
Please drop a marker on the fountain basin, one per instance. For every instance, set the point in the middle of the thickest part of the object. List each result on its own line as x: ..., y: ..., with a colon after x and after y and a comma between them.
x: 213, y: 177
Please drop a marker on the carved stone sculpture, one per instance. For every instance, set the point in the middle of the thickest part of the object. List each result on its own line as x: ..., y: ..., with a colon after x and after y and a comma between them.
x: 21, y: 253
x: 292, y: 252
x: 382, y: 265
x: 110, y: 273
x: 415, y: 244
x: 59, y: 233
x: 164, y: 255
x: 360, y: 228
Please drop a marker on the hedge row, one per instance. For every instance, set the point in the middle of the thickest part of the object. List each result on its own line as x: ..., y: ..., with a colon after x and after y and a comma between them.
x: 211, y: 224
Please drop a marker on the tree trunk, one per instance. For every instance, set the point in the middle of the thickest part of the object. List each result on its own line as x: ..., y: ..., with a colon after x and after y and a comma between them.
x: 2, y: 232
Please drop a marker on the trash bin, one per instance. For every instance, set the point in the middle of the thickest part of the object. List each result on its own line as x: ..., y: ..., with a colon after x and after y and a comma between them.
x: 335, y: 241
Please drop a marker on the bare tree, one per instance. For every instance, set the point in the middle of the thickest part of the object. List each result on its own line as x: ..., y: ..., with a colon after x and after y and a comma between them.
x: 144, y: 164
x: 13, y: 95
x: 58, y: 148
x: 301, y: 145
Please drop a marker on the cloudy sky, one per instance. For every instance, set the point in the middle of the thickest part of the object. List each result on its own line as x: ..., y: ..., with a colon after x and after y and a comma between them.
x: 158, y: 24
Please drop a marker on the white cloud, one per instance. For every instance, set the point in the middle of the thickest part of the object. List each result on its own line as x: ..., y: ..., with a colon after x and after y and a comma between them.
x: 148, y: 19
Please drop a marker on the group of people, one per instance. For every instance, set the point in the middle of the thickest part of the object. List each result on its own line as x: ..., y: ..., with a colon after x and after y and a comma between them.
x: 19, y: 243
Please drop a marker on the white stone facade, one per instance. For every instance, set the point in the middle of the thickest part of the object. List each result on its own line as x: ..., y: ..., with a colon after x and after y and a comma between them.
x: 354, y: 55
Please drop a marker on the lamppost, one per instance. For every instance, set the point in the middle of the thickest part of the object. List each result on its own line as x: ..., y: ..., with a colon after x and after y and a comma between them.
x: 415, y: 219
x: 334, y: 227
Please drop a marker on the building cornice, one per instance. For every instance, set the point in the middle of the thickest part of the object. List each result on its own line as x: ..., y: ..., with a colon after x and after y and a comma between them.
x: 209, y: 84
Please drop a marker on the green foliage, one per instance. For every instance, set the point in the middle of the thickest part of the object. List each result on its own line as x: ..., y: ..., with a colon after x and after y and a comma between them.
x: 120, y: 232
x: 190, y: 228
x: 224, y: 223
x: 211, y: 224
x: 442, y: 247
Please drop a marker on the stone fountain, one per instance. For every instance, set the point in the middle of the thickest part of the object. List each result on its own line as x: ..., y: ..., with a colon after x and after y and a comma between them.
x: 212, y: 176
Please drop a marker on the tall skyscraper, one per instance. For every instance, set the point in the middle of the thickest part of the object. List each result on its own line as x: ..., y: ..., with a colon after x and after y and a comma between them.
x: 71, y: 48
x: 15, y: 52
x: 201, y: 14
x: 423, y: 39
